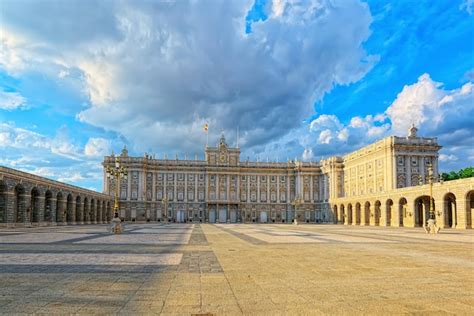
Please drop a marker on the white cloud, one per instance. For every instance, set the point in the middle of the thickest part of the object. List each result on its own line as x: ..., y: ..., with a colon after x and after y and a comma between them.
x: 467, y: 5
x: 97, y: 147
x: 265, y: 82
x: 11, y: 100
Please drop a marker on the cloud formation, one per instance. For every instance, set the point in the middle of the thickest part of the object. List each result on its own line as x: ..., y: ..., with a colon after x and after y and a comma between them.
x: 155, y: 75
x: 437, y: 112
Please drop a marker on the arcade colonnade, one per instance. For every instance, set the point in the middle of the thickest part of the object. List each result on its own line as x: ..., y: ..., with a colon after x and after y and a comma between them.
x: 409, y: 207
x: 28, y: 200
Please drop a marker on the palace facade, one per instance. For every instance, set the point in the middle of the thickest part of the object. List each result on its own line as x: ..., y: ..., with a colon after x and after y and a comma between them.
x: 224, y: 189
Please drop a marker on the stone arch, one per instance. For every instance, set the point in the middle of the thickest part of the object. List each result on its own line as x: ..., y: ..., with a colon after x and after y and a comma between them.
x: 349, y: 216
x: 402, y: 211
x: 357, y: 213
x: 343, y: 214
x: 79, y: 209
x: 92, y: 211
x: 388, y: 212
x: 421, y: 209
x: 469, y: 208
x: 35, y: 206
x: 350, y: 211
x: 3, y: 202
x: 449, y: 211
x: 19, y: 204
x: 48, y: 206
x: 377, y: 212
x: 60, y: 207
x: 336, y: 217
x: 70, y: 208
x: 366, y: 214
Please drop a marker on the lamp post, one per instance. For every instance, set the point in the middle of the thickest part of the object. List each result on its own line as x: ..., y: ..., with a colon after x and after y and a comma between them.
x: 431, y: 227
x: 297, y: 202
x: 116, y: 172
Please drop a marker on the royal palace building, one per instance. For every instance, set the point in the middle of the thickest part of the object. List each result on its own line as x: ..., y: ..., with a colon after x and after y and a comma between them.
x: 224, y: 189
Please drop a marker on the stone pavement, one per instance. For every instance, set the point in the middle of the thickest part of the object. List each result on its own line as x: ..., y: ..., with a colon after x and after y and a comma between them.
x: 227, y: 269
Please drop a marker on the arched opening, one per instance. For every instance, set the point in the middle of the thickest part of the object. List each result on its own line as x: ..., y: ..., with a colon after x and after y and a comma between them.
x: 469, y: 208
x: 3, y: 202
x: 35, y: 206
x: 48, y: 207
x: 343, y: 214
x: 357, y: 211
x: 388, y: 214
x: 450, y: 211
x: 59, y: 207
x: 349, y: 211
x: 69, y: 209
x: 377, y: 213
x: 19, y: 205
x: 403, y: 204
x: 367, y: 213
x: 92, y: 211
x: 86, y: 210
x: 335, y: 214
x: 79, y: 209
x: 422, y: 210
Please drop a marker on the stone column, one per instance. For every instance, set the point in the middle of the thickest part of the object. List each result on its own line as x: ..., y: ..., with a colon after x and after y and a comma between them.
x: 354, y: 215
x: 85, y: 211
x: 10, y: 208
x: 395, y: 219
x: 384, y: 218
x: 62, y: 205
x: 461, y: 212
x: 39, y: 205
x: 24, y: 214
x: 80, y: 210
x: 94, y: 212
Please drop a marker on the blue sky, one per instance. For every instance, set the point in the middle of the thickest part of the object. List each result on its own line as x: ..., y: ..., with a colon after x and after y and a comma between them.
x: 303, y: 79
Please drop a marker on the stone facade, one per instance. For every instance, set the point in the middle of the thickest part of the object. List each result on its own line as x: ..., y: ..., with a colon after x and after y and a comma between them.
x: 29, y: 200
x: 352, y: 189
x: 220, y: 188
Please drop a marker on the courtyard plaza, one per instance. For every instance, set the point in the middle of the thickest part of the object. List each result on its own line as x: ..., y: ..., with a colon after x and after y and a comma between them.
x: 227, y: 269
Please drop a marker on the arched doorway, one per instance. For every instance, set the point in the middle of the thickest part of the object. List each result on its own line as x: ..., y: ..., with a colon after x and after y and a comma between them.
x: 59, y: 207
x: 35, y: 205
x: 402, y: 211
x: 3, y: 202
x: 469, y: 208
x: 450, y: 211
x: 366, y: 220
x: 422, y: 210
x: 343, y: 215
x: 352, y: 215
x: 80, y: 209
x: 19, y: 205
x: 93, y: 211
x: 335, y: 214
x: 48, y: 210
x: 357, y: 212
x: 69, y: 209
x: 377, y: 213
x: 388, y: 212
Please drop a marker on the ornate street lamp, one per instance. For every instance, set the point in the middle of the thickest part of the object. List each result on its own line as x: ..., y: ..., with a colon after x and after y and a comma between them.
x: 116, y: 172
x: 297, y: 202
x: 431, y: 228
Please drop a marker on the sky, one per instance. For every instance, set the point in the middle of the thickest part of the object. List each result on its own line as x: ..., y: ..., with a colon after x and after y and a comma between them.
x: 298, y: 79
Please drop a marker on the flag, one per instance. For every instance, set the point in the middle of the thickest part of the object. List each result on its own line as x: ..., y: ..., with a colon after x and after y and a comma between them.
x: 206, y: 127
